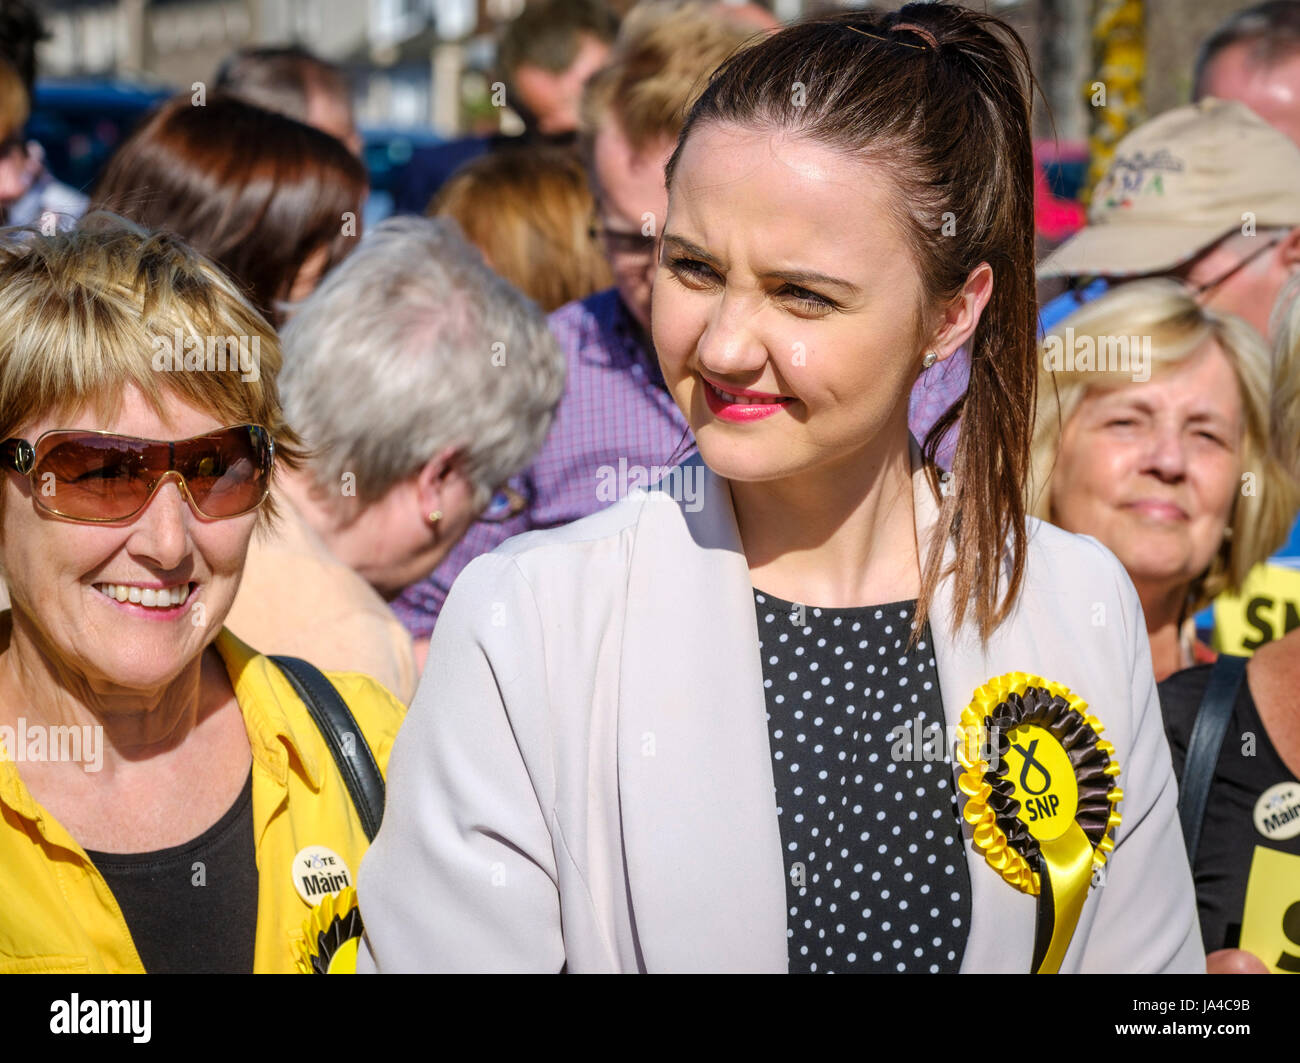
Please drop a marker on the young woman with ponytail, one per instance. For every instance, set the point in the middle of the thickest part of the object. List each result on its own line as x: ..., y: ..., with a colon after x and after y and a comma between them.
x: 807, y: 705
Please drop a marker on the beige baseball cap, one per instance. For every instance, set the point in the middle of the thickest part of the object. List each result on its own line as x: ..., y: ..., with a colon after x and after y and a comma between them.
x: 1178, y: 184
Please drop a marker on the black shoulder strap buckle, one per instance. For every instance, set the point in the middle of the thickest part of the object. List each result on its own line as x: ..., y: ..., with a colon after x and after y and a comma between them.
x: 347, y: 744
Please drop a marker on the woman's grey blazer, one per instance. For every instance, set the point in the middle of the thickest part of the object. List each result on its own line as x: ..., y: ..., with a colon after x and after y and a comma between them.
x: 584, y: 777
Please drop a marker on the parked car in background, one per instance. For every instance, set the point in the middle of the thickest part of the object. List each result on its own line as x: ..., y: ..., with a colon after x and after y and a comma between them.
x: 387, y: 154
x: 79, y: 124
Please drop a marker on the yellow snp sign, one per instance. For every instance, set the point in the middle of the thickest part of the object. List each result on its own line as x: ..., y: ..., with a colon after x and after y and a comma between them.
x: 1266, y: 609
x: 1270, y: 921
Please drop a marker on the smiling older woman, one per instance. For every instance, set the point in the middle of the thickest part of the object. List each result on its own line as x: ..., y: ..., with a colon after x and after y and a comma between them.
x: 1159, y: 447
x: 1242, y: 794
x: 688, y: 737
x: 128, y: 501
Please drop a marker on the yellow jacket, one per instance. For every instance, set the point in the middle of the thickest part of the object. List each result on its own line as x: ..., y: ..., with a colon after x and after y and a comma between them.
x: 56, y: 911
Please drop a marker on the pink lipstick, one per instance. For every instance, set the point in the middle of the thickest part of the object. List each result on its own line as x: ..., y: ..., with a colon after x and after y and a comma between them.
x: 740, y: 405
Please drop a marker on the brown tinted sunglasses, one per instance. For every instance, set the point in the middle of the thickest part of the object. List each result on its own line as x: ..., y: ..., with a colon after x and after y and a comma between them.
x: 98, y: 477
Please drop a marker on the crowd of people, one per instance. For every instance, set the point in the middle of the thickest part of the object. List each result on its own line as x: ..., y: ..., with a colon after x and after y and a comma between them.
x: 696, y: 534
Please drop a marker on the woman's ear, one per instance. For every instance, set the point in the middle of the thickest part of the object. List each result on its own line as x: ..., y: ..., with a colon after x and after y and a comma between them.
x: 962, y: 313
x: 435, y: 478
x: 442, y: 488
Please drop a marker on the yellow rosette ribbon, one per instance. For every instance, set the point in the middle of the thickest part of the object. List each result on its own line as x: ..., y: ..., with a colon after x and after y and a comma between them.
x: 331, y: 935
x: 1041, y: 795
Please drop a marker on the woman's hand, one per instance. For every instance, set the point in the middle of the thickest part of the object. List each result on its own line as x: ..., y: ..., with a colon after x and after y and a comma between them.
x: 1234, y: 961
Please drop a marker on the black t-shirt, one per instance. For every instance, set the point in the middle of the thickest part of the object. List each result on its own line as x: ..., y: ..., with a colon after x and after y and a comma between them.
x: 876, y: 877
x: 1248, y: 767
x: 192, y: 908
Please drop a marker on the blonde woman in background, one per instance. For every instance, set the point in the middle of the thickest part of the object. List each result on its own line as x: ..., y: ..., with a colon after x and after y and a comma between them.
x: 1244, y: 847
x: 1152, y: 435
x: 529, y: 211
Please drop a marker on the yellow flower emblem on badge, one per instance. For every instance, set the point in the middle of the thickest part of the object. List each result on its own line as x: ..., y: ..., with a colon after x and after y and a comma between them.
x: 1041, y: 797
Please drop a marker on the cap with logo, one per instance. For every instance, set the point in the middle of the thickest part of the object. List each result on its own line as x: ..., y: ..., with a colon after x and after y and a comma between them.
x: 1180, y: 183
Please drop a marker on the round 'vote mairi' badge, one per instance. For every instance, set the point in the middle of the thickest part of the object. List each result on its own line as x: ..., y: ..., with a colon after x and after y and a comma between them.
x: 1277, y: 812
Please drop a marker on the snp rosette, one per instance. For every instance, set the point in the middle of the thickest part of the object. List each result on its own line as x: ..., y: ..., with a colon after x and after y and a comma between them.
x: 1041, y: 788
x: 330, y: 936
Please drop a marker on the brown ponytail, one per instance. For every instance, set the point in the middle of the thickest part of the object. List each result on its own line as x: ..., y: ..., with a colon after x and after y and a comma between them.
x: 939, y: 96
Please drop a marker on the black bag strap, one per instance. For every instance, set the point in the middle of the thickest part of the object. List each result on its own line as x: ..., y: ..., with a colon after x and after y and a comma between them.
x: 1203, y: 747
x: 348, y: 745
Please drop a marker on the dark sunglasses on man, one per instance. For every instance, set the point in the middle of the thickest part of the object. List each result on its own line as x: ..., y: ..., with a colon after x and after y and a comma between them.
x: 100, y: 478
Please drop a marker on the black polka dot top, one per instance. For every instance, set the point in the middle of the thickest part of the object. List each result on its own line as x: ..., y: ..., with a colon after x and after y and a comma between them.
x: 876, y: 879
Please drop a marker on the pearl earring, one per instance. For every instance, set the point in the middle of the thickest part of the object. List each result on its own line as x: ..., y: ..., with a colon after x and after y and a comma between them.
x: 435, y: 516
x: 930, y: 358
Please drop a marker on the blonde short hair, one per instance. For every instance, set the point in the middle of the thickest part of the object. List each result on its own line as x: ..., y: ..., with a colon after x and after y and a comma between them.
x: 85, y: 313
x: 1177, y: 325
x: 661, y: 62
